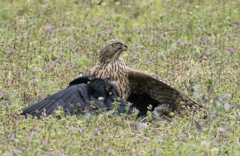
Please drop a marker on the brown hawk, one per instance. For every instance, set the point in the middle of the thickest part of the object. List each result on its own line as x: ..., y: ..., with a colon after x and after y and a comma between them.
x: 126, y: 80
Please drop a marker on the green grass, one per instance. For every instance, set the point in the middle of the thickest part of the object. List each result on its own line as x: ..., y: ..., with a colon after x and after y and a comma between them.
x: 46, y: 44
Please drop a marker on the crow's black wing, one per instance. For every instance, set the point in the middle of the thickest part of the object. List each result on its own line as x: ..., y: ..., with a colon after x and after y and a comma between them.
x: 79, y: 96
x: 66, y: 98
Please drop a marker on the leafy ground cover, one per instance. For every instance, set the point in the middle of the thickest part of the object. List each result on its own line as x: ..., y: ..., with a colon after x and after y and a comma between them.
x: 46, y: 44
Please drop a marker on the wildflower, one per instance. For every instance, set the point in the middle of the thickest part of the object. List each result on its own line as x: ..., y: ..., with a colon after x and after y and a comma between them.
x: 52, y: 152
x: 40, y: 13
x: 10, y: 137
x: 16, y: 150
x: 138, y: 29
x: 109, y: 30
x: 134, y: 109
x: 231, y: 49
x: 27, y: 115
x: 90, y: 40
x: 24, y: 70
x: 33, y: 69
x: 110, y: 149
x: 146, y: 51
x: 184, y: 135
x: 50, y: 28
x: 96, y: 129
x: 103, y: 34
x: 147, y: 62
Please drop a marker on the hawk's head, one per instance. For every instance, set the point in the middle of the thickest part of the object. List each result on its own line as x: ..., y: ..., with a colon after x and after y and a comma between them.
x: 112, y: 49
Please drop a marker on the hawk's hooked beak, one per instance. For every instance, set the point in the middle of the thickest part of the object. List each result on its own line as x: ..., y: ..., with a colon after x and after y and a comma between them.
x: 124, y: 48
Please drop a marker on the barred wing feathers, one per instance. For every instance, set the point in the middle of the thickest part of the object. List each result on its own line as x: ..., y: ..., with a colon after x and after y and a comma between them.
x: 160, y: 90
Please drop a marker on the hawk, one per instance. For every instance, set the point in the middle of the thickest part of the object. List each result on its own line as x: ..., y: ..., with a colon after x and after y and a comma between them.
x: 127, y: 81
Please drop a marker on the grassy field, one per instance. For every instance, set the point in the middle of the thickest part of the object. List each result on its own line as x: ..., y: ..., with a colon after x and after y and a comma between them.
x: 46, y: 44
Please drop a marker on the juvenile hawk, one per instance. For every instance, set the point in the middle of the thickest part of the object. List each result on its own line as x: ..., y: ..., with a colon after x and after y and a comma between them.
x: 126, y: 80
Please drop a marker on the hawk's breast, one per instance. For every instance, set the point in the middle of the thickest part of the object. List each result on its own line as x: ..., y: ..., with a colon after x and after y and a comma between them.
x: 115, y: 71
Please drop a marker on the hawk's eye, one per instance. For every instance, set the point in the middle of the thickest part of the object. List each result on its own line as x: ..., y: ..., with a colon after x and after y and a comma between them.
x: 114, y: 45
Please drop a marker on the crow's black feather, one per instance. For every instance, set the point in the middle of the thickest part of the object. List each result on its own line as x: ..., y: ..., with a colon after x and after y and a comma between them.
x: 85, y: 91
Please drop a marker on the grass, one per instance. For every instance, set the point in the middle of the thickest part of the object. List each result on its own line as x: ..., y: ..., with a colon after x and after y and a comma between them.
x: 46, y: 44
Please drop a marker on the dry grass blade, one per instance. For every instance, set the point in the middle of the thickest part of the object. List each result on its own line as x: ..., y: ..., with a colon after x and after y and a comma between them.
x: 225, y: 128
x: 198, y: 127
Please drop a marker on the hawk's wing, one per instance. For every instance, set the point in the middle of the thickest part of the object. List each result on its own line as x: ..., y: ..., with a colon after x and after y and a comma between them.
x: 160, y: 90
